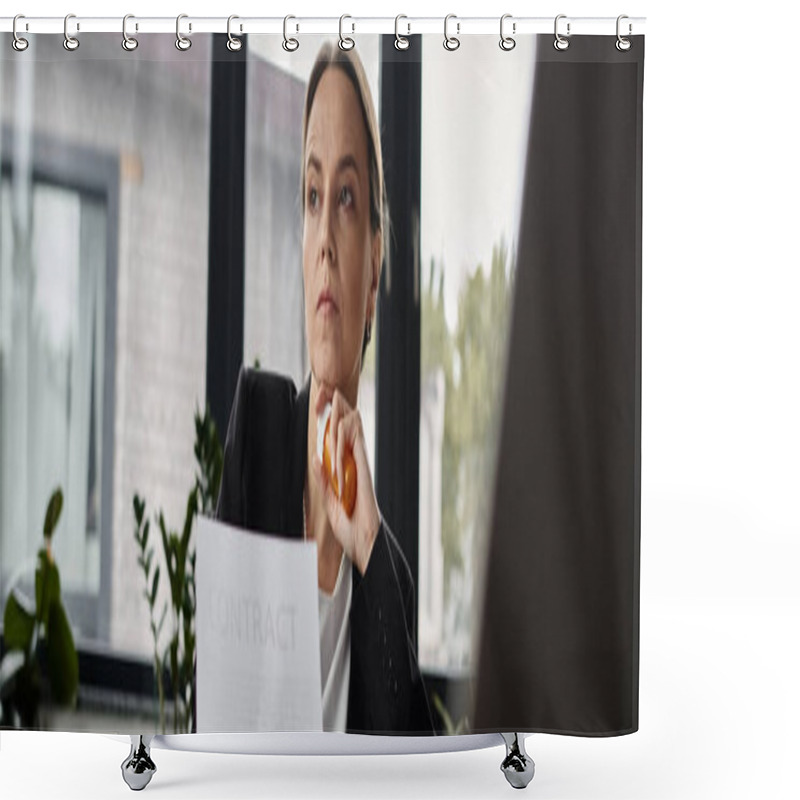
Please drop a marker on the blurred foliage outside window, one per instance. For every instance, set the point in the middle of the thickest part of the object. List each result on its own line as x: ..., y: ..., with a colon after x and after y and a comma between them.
x: 472, y: 360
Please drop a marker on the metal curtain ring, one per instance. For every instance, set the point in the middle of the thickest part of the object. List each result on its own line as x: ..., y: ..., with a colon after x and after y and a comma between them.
x: 451, y: 42
x: 233, y: 44
x: 70, y: 42
x: 181, y: 42
x: 128, y: 42
x: 346, y: 42
x: 560, y: 43
x: 18, y: 43
x: 400, y: 42
x: 507, y: 42
x: 289, y: 44
x: 622, y: 43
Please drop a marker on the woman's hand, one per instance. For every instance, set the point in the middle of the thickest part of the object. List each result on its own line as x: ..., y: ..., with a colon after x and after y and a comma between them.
x: 356, y: 534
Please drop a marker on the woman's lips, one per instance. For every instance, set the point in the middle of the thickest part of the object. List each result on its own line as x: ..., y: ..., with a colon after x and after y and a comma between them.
x: 325, y: 302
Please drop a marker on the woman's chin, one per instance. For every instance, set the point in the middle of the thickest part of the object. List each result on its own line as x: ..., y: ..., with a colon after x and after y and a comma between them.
x: 326, y: 372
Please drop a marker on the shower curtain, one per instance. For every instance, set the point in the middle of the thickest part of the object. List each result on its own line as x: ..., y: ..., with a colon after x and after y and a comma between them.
x: 202, y: 243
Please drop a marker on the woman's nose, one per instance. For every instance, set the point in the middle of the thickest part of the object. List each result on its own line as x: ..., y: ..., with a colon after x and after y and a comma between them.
x: 327, y: 240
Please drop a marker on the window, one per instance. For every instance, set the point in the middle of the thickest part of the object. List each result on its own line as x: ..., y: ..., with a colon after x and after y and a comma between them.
x: 52, y: 371
x: 104, y: 236
x: 472, y: 166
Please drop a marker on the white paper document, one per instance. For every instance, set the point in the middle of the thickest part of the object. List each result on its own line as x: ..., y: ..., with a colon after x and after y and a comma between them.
x: 257, y: 625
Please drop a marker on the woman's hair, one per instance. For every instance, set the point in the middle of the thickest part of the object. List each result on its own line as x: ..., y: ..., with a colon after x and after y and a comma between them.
x: 330, y: 55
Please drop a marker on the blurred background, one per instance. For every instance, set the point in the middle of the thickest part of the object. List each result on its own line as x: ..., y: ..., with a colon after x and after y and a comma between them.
x: 150, y: 243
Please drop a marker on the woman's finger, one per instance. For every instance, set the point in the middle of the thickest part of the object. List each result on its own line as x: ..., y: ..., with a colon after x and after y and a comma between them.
x: 334, y: 423
x: 343, y: 528
x: 356, y: 534
x: 340, y: 408
x: 341, y: 441
x: 360, y: 455
x: 350, y: 435
x: 332, y: 505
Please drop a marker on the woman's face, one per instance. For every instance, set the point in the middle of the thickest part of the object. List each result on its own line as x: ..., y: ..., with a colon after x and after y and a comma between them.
x: 340, y: 255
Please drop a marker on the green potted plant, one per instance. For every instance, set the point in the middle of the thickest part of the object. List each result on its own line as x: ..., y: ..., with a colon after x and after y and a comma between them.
x: 176, y: 661
x: 40, y: 660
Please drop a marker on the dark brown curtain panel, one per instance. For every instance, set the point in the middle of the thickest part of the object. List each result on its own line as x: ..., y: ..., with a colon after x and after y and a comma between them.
x: 559, y: 644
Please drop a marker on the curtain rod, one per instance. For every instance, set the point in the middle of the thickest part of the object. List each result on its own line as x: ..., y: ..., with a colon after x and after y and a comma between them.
x: 350, y: 25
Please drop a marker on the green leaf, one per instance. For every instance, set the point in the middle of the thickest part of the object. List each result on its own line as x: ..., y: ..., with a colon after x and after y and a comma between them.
x: 138, y: 509
x: 62, y: 658
x: 53, y: 512
x: 191, y: 512
x: 145, y: 534
x: 167, y: 550
x: 174, y: 566
x: 48, y: 586
x: 17, y: 624
x: 156, y: 576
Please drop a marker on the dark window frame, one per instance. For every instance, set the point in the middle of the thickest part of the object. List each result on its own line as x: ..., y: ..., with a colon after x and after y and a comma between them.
x: 398, y: 343
x: 226, y: 234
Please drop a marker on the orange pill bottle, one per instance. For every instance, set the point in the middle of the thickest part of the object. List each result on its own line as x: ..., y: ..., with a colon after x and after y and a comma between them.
x: 326, y: 455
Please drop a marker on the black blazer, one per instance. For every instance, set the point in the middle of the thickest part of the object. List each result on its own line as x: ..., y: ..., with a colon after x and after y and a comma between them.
x: 262, y: 490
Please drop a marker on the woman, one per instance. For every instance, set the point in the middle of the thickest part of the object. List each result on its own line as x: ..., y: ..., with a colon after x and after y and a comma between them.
x: 272, y: 479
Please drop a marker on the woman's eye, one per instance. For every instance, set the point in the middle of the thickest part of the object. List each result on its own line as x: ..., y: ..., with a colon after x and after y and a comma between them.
x: 346, y: 196
x: 312, y: 197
